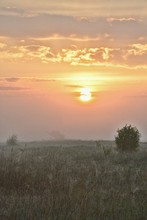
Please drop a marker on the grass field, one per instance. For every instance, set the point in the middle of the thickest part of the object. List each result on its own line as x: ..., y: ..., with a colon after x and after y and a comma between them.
x: 72, y: 180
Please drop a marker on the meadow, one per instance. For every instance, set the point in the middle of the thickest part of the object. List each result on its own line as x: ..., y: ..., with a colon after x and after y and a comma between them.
x: 72, y: 180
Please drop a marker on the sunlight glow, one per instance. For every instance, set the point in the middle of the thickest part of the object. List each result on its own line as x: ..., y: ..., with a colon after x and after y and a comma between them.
x: 85, y: 95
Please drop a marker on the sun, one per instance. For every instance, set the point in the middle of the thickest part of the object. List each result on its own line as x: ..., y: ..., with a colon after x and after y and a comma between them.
x: 85, y: 95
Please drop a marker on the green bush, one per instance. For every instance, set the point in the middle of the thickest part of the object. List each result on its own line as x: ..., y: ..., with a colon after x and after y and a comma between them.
x: 12, y: 140
x: 127, y: 139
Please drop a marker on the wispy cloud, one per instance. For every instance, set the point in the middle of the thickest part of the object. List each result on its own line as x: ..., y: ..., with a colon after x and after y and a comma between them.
x: 12, y: 79
x: 42, y: 80
x: 73, y: 86
x: 11, y: 88
x: 63, y: 27
x: 112, y: 20
x: 12, y: 11
x: 90, y: 7
x: 72, y: 37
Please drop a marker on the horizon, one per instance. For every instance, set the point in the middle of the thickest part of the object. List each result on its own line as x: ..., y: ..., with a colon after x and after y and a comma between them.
x: 63, y: 140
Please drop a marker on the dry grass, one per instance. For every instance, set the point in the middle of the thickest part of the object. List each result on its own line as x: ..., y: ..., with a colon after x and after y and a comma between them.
x: 72, y: 183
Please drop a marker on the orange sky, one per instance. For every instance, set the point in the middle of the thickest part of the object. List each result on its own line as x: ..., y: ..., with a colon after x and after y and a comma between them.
x: 80, y: 69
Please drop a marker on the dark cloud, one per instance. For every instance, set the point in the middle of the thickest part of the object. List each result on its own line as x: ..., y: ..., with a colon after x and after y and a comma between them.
x: 16, y: 79
x: 46, y: 25
x: 43, y: 80
x: 12, y: 79
x: 11, y: 88
x: 73, y: 86
x: 12, y: 11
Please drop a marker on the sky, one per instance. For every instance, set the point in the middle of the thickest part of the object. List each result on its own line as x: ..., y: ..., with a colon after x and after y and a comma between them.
x: 76, y: 69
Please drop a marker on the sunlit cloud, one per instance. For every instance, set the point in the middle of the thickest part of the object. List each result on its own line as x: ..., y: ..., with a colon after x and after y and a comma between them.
x: 2, y: 45
x: 112, y: 20
x: 132, y: 56
x: 85, y: 19
x: 37, y: 51
x: 72, y: 37
x: 138, y: 49
x: 136, y: 55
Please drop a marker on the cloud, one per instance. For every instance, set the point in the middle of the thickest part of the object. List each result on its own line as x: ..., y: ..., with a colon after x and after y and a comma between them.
x: 26, y: 52
x: 53, y: 27
x: 112, y: 20
x: 84, y: 19
x: 22, y: 79
x: 73, y: 86
x: 42, y: 80
x: 44, y: 25
x: 77, y: 8
x: 12, y: 11
x: 2, y: 45
x: 72, y: 37
x: 10, y: 88
x: 12, y: 79
x: 138, y: 49
x: 37, y: 51
x: 134, y: 55
x: 86, y: 56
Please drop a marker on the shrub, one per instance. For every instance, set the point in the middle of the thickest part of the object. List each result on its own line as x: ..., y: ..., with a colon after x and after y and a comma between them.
x: 127, y: 139
x: 12, y: 140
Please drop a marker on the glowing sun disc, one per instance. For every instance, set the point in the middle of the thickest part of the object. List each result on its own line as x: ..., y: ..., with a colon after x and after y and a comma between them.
x: 85, y: 95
